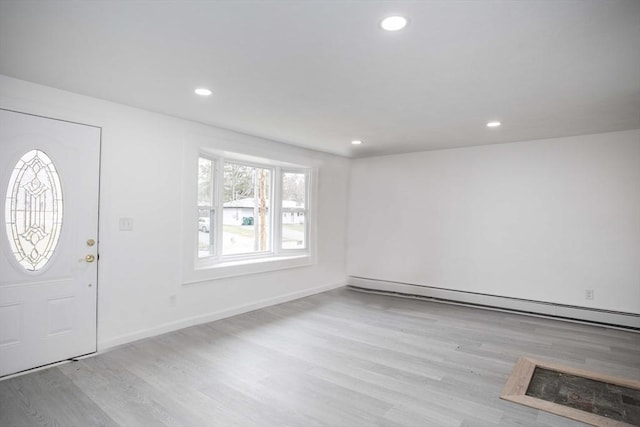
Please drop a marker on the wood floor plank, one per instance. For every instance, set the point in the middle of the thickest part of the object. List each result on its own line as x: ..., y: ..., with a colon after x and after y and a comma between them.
x: 341, y: 358
x: 47, y: 398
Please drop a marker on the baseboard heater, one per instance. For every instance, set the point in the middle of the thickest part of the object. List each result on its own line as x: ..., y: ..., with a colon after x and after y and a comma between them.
x: 629, y: 321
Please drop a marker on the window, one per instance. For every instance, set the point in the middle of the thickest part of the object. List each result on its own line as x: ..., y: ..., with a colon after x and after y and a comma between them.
x: 294, y: 202
x: 33, y: 210
x: 206, y: 208
x: 250, y: 210
x: 246, y: 218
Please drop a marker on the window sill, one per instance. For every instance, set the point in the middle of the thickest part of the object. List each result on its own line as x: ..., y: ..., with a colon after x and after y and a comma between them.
x: 244, y: 267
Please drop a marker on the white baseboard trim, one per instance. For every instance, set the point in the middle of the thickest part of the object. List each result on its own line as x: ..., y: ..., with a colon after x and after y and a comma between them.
x: 164, y: 328
x: 495, y: 302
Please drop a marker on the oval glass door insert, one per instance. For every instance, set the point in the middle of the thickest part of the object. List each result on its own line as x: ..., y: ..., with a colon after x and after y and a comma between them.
x: 33, y: 210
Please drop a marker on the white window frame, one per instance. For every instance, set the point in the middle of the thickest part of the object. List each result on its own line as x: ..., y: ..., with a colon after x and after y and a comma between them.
x: 214, y: 204
x: 278, y: 231
x: 219, y: 265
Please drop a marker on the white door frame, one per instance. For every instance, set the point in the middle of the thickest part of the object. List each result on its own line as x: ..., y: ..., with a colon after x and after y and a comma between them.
x: 67, y: 286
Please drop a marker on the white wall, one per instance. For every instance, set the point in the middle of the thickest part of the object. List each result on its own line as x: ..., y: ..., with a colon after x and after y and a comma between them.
x: 540, y: 220
x: 142, y: 177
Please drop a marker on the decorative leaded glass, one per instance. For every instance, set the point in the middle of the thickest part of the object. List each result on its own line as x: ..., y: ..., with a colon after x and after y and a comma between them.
x: 33, y: 210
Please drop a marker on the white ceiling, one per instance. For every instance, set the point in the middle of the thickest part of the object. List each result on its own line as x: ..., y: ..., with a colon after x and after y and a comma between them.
x: 320, y: 73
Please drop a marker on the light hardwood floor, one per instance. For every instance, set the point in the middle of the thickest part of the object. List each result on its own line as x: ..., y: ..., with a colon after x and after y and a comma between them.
x: 341, y: 358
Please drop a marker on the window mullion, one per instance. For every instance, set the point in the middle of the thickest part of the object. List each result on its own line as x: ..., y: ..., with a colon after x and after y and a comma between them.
x: 307, y: 207
x: 256, y: 211
x: 276, y: 211
x: 218, y: 201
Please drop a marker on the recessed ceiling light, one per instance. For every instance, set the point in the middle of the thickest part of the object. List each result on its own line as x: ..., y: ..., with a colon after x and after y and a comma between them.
x: 356, y: 142
x: 493, y: 124
x: 393, y: 23
x: 203, y: 91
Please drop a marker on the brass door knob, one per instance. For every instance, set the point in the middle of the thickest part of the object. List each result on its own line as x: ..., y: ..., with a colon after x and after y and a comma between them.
x: 90, y: 258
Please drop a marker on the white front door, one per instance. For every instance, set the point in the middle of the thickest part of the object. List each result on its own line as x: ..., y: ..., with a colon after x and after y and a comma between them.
x: 49, y: 182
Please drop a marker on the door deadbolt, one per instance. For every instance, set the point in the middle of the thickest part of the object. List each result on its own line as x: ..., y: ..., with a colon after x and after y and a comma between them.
x: 91, y: 242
